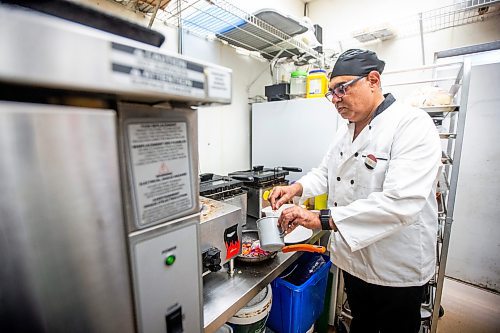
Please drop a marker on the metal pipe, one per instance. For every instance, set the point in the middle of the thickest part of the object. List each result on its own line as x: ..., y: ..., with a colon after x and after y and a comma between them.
x: 231, y: 267
x: 421, y: 37
x: 179, y: 31
x: 154, y: 14
x: 423, y: 68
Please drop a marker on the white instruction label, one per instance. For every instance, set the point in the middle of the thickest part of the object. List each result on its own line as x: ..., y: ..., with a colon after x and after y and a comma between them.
x: 131, y: 66
x: 160, y: 165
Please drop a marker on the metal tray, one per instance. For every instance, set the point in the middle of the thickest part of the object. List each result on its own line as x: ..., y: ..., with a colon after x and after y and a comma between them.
x: 440, y: 108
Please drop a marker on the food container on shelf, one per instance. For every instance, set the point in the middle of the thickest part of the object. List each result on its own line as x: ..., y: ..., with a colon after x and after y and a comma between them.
x: 253, y: 316
x: 316, y: 83
x: 298, y: 84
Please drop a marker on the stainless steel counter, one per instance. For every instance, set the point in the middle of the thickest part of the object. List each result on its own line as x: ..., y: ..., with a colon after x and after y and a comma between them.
x: 224, y: 295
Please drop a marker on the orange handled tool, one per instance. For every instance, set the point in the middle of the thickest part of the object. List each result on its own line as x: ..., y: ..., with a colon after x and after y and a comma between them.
x: 303, y: 247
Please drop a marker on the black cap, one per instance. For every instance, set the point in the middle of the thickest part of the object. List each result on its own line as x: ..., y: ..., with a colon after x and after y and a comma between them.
x: 358, y: 63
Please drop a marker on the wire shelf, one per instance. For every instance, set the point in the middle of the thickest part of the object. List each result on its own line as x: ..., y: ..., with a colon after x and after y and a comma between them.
x: 461, y: 13
x: 218, y: 19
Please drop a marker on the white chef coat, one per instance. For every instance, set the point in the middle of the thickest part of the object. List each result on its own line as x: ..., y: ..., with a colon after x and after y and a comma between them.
x: 386, y: 217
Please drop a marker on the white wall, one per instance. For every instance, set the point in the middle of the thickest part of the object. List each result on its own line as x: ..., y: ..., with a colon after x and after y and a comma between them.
x: 224, y: 131
x: 340, y: 18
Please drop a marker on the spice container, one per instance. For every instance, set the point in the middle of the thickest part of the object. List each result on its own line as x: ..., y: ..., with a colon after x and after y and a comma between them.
x: 298, y: 84
x: 316, y: 83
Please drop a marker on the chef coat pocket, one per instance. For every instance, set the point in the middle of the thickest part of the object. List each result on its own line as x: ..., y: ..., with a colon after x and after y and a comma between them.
x: 372, y: 169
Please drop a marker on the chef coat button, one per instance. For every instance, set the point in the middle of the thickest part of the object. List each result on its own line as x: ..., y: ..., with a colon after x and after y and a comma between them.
x: 356, y: 154
x: 370, y: 127
x: 338, y: 179
x: 352, y: 182
x: 335, y: 204
x: 341, y: 153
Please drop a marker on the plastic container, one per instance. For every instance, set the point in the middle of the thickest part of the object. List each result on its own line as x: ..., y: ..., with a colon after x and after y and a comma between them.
x: 298, y: 82
x: 252, y: 317
x: 296, y: 308
x: 316, y: 83
x: 320, y: 201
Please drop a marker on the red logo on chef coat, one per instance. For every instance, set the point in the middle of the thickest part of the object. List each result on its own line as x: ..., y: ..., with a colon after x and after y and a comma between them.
x: 370, y: 161
x: 232, y: 241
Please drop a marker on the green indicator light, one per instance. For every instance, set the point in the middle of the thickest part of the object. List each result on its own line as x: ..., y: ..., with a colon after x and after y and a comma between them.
x: 170, y: 260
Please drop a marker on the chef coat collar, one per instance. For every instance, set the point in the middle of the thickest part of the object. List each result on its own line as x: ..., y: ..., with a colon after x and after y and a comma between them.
x: 388, y: 100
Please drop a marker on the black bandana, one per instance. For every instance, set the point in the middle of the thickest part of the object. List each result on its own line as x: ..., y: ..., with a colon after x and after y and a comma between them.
x: 357, y: 62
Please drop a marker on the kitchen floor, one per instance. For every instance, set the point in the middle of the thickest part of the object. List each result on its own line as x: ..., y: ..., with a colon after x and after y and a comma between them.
x: 468, y: 309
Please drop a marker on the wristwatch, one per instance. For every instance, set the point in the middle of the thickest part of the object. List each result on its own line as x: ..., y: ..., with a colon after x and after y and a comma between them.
x: 324, y: 217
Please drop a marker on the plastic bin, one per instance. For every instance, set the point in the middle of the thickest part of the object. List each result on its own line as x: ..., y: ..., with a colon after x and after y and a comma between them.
x: 298, y: 84
x: 296, y: 308
x: 316, y: 83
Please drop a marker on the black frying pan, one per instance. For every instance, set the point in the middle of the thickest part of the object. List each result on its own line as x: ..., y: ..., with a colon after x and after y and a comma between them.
x: 251, y: 236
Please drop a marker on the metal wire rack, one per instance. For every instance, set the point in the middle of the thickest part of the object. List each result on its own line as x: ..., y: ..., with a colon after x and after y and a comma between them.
x: 219, y: 19
x: 458, y: 14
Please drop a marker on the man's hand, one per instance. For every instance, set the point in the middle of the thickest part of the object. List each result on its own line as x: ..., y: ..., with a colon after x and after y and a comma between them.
x: 283, y: 194
x: 294, y: 216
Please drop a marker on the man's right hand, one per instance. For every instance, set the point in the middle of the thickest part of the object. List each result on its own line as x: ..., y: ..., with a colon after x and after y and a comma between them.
x: 283, y: 194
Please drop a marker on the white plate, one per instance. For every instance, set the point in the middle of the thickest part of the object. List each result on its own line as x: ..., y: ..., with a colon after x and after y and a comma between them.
x: 298, y: 235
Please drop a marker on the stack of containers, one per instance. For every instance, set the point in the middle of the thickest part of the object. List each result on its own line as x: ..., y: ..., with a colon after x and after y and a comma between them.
x: 317, y: 83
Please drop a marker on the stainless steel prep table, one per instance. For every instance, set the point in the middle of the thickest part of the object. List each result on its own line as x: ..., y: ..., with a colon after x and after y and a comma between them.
x: 224, y: 295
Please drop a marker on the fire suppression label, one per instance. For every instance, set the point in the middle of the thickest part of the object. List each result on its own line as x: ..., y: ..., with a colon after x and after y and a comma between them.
x: 160, y: 165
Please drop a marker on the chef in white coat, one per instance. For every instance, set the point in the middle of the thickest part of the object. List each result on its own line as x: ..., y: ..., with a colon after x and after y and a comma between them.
x: 380, y: 173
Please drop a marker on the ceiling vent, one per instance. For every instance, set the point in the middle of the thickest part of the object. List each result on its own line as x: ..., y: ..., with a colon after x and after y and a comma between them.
x: 374, y: 33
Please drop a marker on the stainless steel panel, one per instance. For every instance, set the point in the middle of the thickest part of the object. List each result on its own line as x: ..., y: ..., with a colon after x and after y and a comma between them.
x: 239, y: 200
x: 158, y: 286
x: 62, y: 238
x: 132, y: 114
x: 256, y: 202
x: 52, y: 52
x: 217, y: 226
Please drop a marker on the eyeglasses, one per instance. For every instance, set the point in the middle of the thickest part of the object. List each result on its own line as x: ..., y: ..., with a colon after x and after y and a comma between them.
x: 340, y: 90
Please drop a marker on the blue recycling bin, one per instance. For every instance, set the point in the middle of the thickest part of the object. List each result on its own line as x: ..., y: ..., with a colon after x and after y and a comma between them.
x: 296, y: 307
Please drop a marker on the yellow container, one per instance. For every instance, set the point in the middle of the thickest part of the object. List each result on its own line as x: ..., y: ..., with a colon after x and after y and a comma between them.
x: 316, y: 84
x: 320, y: 201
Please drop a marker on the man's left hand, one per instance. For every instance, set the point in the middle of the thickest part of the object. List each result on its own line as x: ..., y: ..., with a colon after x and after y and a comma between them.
x: 294, y: 216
